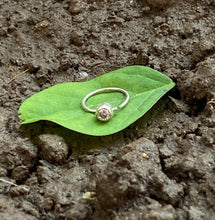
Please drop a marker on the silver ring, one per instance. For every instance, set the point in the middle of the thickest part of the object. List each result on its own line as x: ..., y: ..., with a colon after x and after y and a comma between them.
x: 104, y: 111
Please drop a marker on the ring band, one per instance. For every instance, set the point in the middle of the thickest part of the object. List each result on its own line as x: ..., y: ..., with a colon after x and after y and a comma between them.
x: 104, y: 111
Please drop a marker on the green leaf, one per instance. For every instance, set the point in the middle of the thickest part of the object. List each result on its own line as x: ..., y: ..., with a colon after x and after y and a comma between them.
x: 62, y: 103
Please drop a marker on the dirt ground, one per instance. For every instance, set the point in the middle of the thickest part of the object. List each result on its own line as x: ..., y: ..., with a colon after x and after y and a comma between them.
x: 162, y: 167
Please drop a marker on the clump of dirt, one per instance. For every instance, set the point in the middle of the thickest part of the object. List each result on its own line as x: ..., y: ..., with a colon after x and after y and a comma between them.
x: 131, y: 179
x: 195, y: 89
x: 162, y: 166
x: 53, y: 148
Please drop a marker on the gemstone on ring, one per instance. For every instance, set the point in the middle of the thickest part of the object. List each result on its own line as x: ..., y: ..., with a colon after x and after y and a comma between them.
x: 104, y: 112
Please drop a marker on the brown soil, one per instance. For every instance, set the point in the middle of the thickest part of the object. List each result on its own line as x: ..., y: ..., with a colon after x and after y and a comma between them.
x: 161, y: 167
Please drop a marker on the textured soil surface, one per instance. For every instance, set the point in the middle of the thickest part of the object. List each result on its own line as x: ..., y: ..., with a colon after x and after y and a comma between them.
x: 160, y: 168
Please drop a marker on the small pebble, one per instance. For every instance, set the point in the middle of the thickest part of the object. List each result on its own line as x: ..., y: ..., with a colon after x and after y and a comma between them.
x: 89, y: 195
x: 81, y: 76
x: 145, y: 156
x: 42, y: 25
